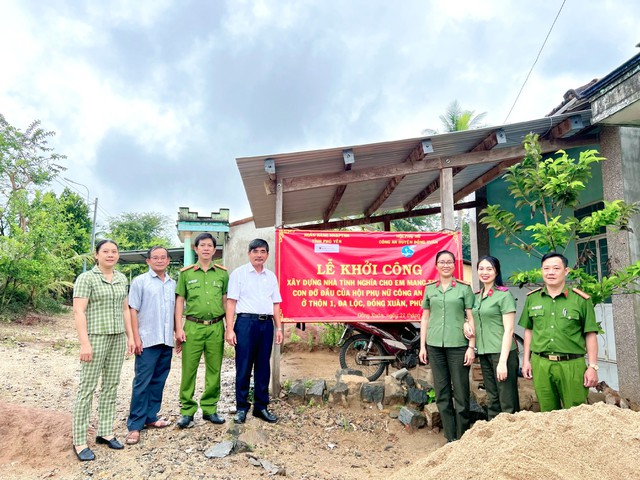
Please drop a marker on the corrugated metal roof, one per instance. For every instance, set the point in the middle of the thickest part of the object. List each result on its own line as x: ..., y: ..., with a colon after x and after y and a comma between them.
x: 309, y: 205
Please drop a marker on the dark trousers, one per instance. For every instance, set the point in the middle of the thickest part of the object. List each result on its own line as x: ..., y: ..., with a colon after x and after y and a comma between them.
x: 253, y: 352
x: 151, y: 372
x: 501, y: 396
x: 451, y: 383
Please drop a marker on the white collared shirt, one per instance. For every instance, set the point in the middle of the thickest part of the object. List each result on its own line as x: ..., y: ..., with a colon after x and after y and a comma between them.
x: 255, y: 292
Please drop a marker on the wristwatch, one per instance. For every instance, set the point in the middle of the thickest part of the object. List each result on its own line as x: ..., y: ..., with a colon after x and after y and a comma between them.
x: 594, y: 366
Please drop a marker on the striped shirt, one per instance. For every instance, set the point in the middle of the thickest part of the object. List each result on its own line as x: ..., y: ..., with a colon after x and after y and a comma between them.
x: 106, y: 300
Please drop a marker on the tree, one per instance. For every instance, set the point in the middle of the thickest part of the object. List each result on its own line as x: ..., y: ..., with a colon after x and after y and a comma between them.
x: 549, y: 189
x: 139, y: 231
x: 456, y: 119
x: 76, y: 213
x: 26, y: 160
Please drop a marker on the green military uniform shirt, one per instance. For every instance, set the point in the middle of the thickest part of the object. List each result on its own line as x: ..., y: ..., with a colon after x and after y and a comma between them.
x: 559, y: 324
x: 203, y: 290
x: 105, y: 308
x: 487, y: 316
x: 447, y: 313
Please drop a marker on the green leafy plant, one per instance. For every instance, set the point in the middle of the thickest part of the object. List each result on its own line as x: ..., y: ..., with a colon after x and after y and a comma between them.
x: 331, y: 334
x: 293, y: 336
x: 549, y: 188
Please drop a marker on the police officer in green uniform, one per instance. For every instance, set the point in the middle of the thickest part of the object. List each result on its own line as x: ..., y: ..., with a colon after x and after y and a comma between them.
x: 560, y: 325
x: 494, y: 315
x: 446, y: 305
x: 203, y: 287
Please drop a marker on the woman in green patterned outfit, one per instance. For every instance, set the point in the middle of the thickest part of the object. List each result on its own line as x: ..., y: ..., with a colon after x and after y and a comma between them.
x: 494, y: 315
x: 102, y: 319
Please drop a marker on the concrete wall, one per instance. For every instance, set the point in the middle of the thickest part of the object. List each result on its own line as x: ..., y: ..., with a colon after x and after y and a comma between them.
x: 236, y: 249
x: 621, y: 180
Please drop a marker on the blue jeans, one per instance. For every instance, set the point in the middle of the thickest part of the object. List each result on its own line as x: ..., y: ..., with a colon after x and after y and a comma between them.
x: 253, y: 352
x: 151, y: 372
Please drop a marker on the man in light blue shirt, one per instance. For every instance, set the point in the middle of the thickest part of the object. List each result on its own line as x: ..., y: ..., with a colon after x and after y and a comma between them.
x: 152, y: 299
x: 253, y: 300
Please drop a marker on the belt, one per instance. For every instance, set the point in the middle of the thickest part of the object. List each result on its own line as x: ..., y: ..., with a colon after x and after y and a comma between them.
x: 204, y: 322
x: 256, y: 316
x: 560, y: 357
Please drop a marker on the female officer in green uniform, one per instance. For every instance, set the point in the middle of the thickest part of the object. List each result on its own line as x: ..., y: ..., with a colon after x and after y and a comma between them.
x: 494, y: 314
x: 446, y: 304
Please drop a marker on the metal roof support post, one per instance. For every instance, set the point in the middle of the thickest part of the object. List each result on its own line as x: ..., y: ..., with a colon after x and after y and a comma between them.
x: 275, y: 351
x: 446, y: 199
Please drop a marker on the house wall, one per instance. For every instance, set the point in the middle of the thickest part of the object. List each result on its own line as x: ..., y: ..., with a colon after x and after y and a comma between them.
x: 236, y: 248
x: 621, y: 177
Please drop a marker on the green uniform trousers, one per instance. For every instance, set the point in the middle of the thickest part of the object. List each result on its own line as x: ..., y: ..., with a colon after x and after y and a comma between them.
x: 207, y: 339
x: 108, y: 356
x: 447, y: 365
x: 501, y: 396
x: 559, y: 384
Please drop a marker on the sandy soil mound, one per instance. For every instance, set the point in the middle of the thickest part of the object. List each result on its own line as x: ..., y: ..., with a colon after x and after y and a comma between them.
x: 590, y: 441
x: 34, y: 438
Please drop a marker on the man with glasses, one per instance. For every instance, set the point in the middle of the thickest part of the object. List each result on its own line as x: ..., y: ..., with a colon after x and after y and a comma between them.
x: 151, y: 303
x: 560, y: 325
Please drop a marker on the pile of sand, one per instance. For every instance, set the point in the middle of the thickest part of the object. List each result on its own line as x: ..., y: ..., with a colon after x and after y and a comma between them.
x: 590, y: 441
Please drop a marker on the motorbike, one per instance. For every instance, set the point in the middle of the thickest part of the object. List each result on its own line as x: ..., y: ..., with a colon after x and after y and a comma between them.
x: 372, y: 347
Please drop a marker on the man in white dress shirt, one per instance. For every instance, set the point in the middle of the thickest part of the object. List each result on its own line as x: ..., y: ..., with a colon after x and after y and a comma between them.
x: 253, y: 301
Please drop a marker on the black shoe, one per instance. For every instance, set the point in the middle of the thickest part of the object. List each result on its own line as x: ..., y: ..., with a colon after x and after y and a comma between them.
x: 240, y: 416
x: 213, y: 418
x: 265, y: 415
x: 113, y: 443
x: 84, y: 455
x: 185, y: 421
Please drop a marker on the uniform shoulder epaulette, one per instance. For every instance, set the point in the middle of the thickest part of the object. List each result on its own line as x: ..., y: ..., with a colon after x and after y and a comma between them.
x: 534, y: 291
x: 187, y: 267
x: 219, y: 266
x: 463, y: 282
x: 502, y: 288
x: 431, y: 282
x: 584, y: 295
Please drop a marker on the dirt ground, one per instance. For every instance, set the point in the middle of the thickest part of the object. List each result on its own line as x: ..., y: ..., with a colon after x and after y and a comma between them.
x: 38, y: 381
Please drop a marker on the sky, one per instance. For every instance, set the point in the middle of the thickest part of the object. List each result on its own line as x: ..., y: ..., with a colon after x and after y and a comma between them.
x: 153, y: 100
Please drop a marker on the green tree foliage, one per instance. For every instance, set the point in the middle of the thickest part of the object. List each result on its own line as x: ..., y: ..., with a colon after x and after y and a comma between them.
x: 41, y: 234
x: 456, y: 119
x: 548, y: 188
x: 26, y: 160
x: 139, y: 231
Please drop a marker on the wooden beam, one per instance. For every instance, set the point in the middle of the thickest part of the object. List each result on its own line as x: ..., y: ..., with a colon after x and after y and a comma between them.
x: 487, y: 144
x: 446, y: 199
x: 388, y: 217
x: 431, y: 164
x: 386, y: 193
x: 561, y: 129
x: 337, y: 196
x: 415, y: 155
x: 427, y: 191
x: 422, y: 195
x: 485, y: 178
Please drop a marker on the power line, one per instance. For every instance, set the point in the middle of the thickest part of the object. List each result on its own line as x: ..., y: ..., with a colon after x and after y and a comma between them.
x: 535, y: 61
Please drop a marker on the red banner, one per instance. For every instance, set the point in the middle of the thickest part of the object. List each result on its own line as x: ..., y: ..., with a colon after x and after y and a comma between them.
x: 342, y: 276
